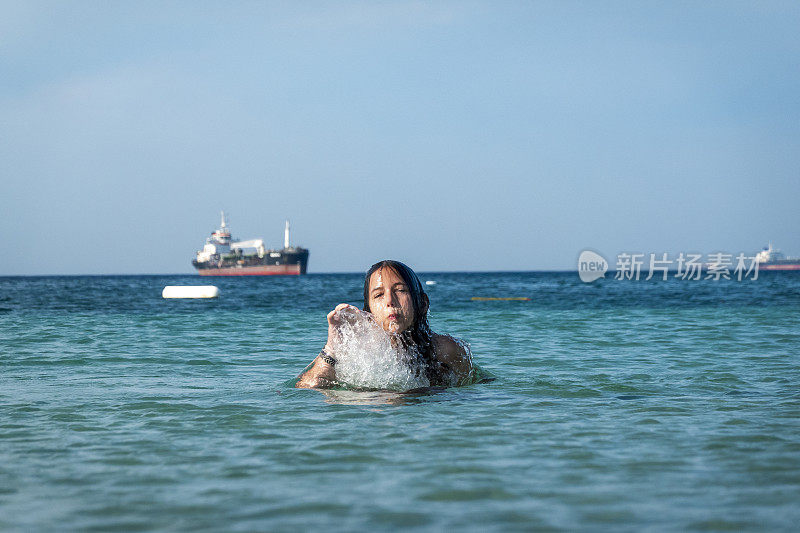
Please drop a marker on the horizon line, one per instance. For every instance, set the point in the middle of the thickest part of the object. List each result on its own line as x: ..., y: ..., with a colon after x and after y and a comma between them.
x: 280, y: 276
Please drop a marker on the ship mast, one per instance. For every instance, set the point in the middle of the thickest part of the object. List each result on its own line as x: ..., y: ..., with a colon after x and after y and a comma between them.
x: 222, y: 215
x: 286, y: 235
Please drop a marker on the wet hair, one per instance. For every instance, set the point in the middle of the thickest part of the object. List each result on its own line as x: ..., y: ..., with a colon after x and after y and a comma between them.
x: 419, y: 335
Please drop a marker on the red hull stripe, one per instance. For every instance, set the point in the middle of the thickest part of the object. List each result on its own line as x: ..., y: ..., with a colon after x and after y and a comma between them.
x: 270, y: 270
x: 795, y: 266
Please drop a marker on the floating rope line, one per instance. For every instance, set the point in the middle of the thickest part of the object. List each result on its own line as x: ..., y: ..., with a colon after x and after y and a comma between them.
x: 487, y: 299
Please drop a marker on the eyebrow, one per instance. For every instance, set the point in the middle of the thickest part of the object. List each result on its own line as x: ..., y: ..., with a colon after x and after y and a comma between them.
x: 380, y: 288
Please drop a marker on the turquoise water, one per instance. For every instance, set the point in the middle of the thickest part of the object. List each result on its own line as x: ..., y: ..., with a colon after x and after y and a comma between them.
x: 618, y: 405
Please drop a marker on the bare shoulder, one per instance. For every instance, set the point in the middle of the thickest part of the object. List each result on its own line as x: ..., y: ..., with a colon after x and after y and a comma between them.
x: 452, y: 352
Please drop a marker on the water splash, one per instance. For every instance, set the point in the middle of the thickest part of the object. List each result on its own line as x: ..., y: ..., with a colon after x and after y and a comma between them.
x: 367, y: 357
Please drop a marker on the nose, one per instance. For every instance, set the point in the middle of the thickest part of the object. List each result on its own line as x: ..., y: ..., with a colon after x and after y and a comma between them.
x: 388, y: 298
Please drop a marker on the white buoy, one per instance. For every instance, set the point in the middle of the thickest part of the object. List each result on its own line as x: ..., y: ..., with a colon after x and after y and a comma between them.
x: 190, y: 291
x: 430, y: 282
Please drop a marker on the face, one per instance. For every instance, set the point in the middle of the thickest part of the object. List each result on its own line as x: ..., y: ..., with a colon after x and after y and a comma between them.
x: 390, y: 301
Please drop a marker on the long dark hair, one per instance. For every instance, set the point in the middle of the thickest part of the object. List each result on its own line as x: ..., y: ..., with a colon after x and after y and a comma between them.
x: 419, y: 335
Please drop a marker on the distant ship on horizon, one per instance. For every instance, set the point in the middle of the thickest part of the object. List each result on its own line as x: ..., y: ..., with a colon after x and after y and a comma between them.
x: 772, y: 259
x: 222, y: 256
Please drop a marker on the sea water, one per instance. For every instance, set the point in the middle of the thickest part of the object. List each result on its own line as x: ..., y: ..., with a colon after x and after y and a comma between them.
x: 617, y: 405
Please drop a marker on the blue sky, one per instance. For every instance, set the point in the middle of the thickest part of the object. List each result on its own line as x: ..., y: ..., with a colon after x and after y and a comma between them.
x: 449, y: 135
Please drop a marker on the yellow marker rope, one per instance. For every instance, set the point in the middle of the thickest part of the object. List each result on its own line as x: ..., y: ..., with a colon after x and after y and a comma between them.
x: 487, y: 299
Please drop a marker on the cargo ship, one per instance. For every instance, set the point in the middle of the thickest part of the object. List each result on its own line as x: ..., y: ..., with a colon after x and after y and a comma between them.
x: 771, y: 259
x: 223, y: 256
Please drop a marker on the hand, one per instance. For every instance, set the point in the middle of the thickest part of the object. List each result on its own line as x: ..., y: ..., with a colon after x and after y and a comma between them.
x: 335, y: 320
x: 341, y: 315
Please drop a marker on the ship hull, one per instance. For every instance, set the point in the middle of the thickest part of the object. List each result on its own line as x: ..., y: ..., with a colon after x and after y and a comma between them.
x: 287, y: 262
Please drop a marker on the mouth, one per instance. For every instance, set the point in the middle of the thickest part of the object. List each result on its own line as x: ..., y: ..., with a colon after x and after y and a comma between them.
x: 392, y: 317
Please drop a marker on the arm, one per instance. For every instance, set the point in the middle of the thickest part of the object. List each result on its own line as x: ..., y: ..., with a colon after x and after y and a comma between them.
x: 322, y: 374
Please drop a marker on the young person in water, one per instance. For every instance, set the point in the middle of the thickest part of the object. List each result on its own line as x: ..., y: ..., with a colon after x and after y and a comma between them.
x: 393, y: 295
